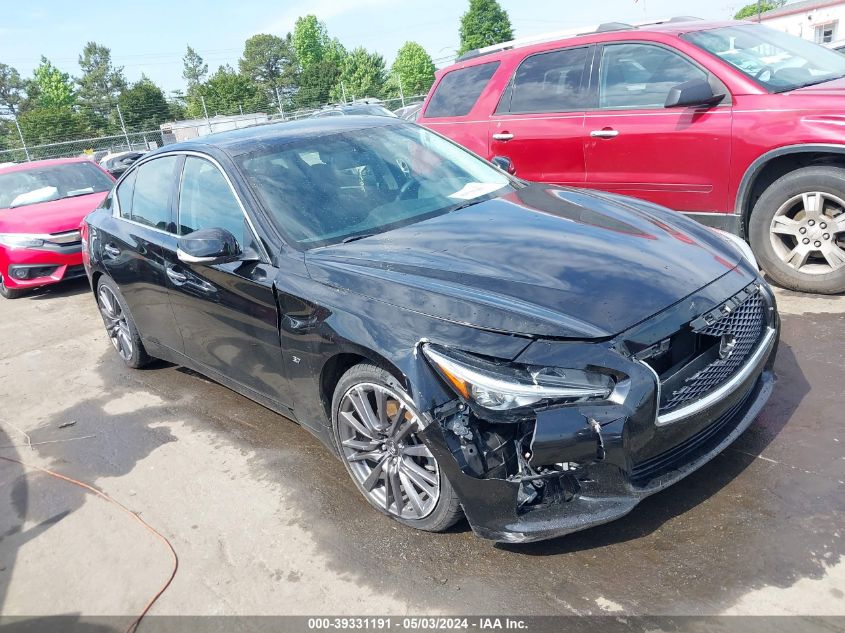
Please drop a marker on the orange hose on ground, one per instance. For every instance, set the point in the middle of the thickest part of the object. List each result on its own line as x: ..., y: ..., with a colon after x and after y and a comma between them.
x: 134, y: 625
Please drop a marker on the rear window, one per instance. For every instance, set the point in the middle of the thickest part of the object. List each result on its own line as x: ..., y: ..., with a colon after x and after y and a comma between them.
x: 458, y: 91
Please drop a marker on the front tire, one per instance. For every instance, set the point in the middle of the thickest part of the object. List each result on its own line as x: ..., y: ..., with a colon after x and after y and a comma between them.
x: 797, y: 230
x: 10, y: 293
x: 120, y: 326
x: 375, y: 428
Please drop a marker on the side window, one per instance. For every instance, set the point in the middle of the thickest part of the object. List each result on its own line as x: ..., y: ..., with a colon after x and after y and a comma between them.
x: 206, y: 201
x: 458, y: 91
x: 641, y: 75
x: 151, y: 199
x: 124, y: 195
x: 548, y: 82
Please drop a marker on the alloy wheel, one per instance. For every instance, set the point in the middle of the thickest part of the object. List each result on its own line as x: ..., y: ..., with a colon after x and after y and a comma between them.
x: 117, y: 327
x: 808, y: 233
x: 377, y: 429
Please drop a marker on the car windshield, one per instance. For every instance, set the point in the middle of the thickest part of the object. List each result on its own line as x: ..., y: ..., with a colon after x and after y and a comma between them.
x: 777, y: 61
x: 51, y: 182
x: 340, y: 186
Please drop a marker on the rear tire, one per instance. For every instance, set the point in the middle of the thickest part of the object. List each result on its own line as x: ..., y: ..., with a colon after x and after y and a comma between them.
x: 389, y: 464
x: 120, y: 326
x: 797, y: 230
x: 10, y: 293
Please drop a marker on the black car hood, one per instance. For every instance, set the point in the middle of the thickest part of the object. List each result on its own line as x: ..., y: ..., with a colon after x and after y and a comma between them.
x: 542, y: 261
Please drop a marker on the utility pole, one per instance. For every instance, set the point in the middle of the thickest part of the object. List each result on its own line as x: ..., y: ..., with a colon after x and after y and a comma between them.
x: 20, y: 134
x: 343, y: 90
x: 205, y: 110
x: 401, y: 93
x: 279, y: 101
x: 759, y: 10
x: 123, y: 126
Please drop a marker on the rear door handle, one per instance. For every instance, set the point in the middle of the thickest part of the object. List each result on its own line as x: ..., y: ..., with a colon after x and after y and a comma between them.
x: 112, y: 250
x: 604, y: 133
x: 502, y: 136
x: 176, y: 277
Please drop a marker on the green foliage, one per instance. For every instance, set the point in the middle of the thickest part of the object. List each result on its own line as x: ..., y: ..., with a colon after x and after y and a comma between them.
x: 321, y: 60
x: 484, y: 24
x: 310, y: 39
x: 362, y: 75
x: 99, y: 84
x: 143, y: 106
x: 11, y: 88
x: 53, y: 124
x: 750, y: 10
x: 414, y: 67
x: 270, y: 62
x: 195, y: 69
x: 226, y: 92
x: 54, y: 88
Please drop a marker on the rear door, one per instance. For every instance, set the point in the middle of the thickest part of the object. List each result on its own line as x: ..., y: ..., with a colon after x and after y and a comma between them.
x: 226, y: 312
x: 677, y: 157
x: 539, y: 121
x: 137, y: 244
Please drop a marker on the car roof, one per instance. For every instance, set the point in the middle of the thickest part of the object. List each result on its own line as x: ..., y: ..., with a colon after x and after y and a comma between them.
x: 43, y: 163
x: 235, y: 142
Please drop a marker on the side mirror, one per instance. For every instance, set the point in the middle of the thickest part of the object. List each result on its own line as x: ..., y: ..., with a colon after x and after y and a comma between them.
x: 208, y: 246
x: 697, y: 92
x: 504, y: 163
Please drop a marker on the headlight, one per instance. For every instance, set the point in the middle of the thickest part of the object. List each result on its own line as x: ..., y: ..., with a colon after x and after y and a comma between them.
x: 740, y: 244
x: 501, y: 387
x: 21, y: 240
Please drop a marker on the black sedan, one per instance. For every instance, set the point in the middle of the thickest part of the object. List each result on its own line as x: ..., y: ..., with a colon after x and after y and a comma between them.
x: 536, y: 358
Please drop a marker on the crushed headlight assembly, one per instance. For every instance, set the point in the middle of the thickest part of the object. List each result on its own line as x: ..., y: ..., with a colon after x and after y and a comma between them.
x: 21, y: 240
x: 502, y: 387
x: 740, y: 244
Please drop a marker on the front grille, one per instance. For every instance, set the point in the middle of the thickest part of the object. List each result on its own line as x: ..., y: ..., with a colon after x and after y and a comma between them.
x: 66, y: 238
x: 739, y: 328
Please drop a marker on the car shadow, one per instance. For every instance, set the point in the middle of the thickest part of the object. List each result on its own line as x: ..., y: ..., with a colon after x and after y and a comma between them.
x: 70, y: 288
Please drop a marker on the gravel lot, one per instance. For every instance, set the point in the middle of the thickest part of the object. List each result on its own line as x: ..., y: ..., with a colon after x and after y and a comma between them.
x: 266, y: 522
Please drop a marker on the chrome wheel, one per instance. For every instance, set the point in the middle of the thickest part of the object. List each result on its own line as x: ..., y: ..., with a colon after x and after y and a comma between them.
x: 395, y: 470
x: 808, y: 233
x: 117, y: 326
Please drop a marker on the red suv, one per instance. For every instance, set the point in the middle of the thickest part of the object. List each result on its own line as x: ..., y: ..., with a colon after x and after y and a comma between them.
x: 738, y: 125
x: 41, y: 207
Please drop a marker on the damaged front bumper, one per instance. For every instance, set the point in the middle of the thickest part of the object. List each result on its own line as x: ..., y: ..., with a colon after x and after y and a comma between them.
x: 568, y: 468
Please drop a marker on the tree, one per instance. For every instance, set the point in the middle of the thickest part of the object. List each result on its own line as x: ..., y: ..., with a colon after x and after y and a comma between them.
x: 143, y: 106
x: 362, y: 75
x: 321, y: 59
x: 195, y: 69
x: 51, y: 125
x: 99, y: 84
x: 52, y: 87
x: 310, y: 39
x: 414, y: 68
x: 11, y: 89
x: 226, y: 92
x: 750, y: 10
x: 270, y: 62
x: 484, y: 24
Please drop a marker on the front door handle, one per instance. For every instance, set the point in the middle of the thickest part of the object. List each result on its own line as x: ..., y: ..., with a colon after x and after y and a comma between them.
x: 502, y: 136
x: 604, y: 133
x: 176, y: 277
x: 111, y: 250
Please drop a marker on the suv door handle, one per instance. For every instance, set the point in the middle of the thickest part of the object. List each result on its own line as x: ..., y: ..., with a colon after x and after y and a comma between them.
x: 176, y: 277
x: 112, y: 250
x: 502, y: 136
x: 604, y: 133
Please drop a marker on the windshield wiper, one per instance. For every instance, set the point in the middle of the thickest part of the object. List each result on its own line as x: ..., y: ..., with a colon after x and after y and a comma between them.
x: 354, y: 238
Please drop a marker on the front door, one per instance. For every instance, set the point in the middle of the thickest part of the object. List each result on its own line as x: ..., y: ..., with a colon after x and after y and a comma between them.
x: 633, y: 145
x: 226, y: 312
x: 539, y: 122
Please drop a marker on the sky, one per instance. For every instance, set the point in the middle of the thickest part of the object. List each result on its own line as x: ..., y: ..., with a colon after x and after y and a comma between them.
x: 150, y: 36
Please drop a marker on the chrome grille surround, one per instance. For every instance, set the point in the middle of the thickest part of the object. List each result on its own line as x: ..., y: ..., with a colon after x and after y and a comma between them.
x: 742, y: 323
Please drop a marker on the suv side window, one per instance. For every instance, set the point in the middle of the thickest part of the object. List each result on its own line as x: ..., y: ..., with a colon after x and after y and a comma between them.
x: 206, y: 201
x: 458, y: 91
x: 641, y: 75
x: 151, y: 199
x: 548, y: 82
x: 124, y: 195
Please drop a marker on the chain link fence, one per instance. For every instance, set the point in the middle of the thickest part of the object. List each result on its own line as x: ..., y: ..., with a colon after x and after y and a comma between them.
x: 19, y: 150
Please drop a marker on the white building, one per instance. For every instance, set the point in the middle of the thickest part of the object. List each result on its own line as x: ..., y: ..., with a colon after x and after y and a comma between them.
x: 177, y: 131
x: 819, y: 21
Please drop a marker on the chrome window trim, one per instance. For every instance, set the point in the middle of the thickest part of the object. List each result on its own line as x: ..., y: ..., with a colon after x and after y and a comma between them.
x: 265, y: 256
x: 714, y: 396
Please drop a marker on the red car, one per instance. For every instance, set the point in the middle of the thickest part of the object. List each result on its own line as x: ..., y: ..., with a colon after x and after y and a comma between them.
x: 741, y: 126
x: 41, y: 207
